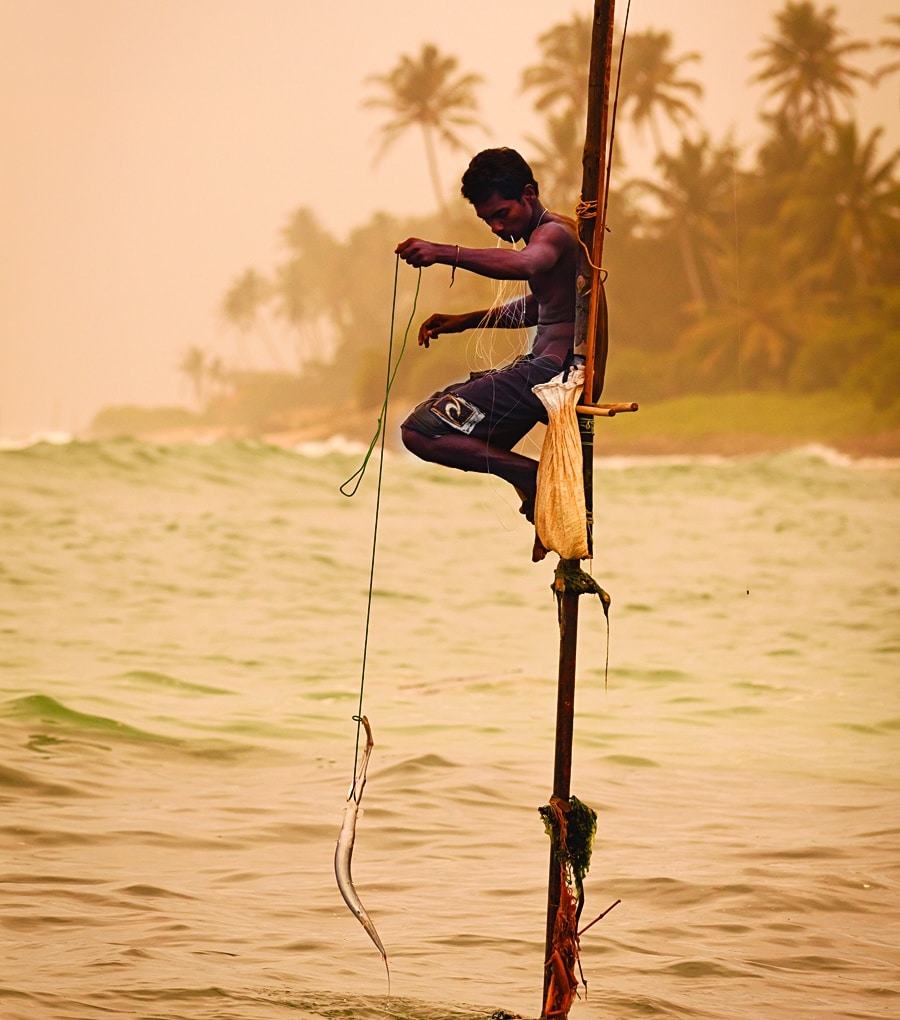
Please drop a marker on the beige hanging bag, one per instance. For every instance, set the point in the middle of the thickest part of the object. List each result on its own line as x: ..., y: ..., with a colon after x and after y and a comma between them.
x: 559, y: 510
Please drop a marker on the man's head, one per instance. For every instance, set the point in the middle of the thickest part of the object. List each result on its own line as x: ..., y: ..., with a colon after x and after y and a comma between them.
x: 497, y: 171
x: 501, y: 187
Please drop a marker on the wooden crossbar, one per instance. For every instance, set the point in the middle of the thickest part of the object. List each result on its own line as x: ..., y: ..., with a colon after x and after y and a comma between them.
x: 605, y: 410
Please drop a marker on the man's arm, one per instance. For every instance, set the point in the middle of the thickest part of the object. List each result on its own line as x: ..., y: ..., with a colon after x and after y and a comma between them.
x: 542, y: 252
x: 513, y: 314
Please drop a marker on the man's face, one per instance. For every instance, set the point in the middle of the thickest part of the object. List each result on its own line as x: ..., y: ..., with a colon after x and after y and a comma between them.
x: 508, y: 218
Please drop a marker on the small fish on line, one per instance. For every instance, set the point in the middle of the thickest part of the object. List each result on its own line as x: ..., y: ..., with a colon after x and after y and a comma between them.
x: 344, y: 851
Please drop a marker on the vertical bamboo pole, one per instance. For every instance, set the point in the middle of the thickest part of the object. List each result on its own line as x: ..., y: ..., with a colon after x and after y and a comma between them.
x: 587, y: 315
x: 588, y: 299
x: 562, y: 769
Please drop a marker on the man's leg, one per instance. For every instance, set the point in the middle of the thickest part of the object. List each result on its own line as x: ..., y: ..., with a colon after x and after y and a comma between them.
x: 467, y: 453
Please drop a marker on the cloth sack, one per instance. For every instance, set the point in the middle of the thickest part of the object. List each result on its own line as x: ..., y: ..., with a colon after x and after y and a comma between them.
x: 559, y: 510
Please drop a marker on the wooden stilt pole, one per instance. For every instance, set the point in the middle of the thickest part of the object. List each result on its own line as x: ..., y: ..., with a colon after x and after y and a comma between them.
x: 589, y: 313
x: 562, y: 769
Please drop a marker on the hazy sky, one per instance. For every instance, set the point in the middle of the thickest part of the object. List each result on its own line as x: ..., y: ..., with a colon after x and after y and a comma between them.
x: 153, y: 149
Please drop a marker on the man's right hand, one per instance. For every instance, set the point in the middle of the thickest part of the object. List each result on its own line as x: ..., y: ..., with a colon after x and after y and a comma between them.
x: 439, y: 323
x: 417, y: 253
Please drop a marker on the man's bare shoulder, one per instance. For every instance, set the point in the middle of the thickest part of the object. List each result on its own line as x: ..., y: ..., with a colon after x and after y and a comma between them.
x: 563, y: 227
x: 561, y: 219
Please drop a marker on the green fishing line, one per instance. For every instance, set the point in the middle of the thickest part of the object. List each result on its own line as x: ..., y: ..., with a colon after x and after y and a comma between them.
x: 356, y: 478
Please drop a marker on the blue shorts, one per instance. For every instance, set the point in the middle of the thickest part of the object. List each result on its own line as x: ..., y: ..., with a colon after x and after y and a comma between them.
x: 496, y: 407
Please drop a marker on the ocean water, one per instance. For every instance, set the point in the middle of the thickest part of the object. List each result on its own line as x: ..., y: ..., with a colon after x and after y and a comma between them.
x: 182, y: 638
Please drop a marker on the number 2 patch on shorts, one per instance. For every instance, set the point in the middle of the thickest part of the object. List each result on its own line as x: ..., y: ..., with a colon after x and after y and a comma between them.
x: 457, y: 412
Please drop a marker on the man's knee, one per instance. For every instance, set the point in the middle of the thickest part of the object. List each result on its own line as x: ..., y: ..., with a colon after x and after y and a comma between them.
x: 417, y: 443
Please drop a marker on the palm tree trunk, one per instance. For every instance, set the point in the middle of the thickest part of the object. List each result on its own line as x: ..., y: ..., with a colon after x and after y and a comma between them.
x: 657, y: 135
x: 270, y: 345
x: 433, y: 168
x: 690, y: 266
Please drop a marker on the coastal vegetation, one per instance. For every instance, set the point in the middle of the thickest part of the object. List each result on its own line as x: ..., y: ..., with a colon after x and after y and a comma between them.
x: 771, y: 271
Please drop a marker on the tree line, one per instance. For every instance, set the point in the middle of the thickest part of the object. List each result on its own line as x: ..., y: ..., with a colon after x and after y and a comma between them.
x: 728, y: 269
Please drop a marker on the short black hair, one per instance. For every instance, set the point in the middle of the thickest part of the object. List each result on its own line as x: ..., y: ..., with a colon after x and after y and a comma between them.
x: 497, y: 171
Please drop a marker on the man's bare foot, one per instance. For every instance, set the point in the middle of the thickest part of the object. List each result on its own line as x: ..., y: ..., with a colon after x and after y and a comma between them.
x: 527, y: 507
x: 538, y: 550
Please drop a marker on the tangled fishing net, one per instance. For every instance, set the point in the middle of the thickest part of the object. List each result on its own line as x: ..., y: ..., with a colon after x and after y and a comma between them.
x: 571, y: 827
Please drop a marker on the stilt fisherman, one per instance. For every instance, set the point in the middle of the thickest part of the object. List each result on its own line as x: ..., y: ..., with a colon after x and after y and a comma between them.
x: 474, y: 425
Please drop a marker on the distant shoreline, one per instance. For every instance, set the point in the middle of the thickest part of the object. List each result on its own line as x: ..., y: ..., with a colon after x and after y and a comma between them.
x: 726, y: 425
x: 729, y: 425
x: 886, y: 444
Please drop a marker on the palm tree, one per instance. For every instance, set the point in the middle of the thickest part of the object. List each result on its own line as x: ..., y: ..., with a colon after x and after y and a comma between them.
x: 193, y: 364
x: 310, y: 285
x: 753, y: 332
x: 557, y: 164
x: 695, y: 196
x: 651, y: 84
x: 784, y: 161
x: 244, y: 299
x: 562, y: 76
x: 242, y: 303
x: 850, y: 207
x: 806, y: 66
x: 426, y: 91
x: 889, y: 42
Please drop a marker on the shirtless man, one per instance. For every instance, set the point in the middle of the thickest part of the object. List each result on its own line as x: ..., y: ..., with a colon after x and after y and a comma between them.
x: 474, y: 425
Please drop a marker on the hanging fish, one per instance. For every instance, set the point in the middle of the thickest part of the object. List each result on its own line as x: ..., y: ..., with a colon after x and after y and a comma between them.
x: 344, y: 850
